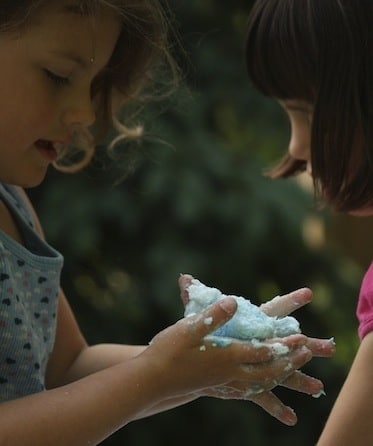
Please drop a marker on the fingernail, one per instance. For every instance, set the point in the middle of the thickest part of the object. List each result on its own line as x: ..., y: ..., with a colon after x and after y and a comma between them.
x: 288, y: 417
x: 317, y: 395
x: 228, y: 304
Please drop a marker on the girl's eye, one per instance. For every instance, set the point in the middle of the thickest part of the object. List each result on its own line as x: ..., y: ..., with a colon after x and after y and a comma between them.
x: 57, y: 79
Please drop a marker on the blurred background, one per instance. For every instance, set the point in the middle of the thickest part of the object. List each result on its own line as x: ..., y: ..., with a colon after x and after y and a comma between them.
x: 197, y: 202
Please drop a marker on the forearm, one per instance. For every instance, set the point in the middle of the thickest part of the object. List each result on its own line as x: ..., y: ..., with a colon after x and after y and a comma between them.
x: 167, y: 404
x: 102, y: 356
x: 83, y: 412
x: 350, y: 421
x: 99, y: 357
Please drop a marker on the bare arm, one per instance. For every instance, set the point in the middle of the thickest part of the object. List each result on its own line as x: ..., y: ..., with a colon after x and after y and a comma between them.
x: 279, y: 306
x: 93, y: 391
x: 350, y: 421
x: 173, y: 366
x: 73, y: 359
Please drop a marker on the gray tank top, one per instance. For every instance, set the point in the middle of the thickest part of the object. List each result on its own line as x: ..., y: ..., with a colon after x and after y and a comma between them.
x: 29, y: 284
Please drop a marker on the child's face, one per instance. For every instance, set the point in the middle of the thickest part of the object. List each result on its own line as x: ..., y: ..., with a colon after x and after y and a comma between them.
x: 45, y: 79
x: 300, y: 117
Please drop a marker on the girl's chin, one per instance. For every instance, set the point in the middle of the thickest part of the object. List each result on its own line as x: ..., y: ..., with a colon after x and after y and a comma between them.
x: 31, y: 180
x: 367, y: 212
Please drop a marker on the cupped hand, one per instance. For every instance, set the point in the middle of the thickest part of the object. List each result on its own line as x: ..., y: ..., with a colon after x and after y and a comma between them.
x: 271, y: 373
x: 279, y: 306
x: 186, y: 361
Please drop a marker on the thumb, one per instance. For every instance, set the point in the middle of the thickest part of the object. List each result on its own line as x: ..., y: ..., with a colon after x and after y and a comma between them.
x: 184, y: 281
x: 212, y: 317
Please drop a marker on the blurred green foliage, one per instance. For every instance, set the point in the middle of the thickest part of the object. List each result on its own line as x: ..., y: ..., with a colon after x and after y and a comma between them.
x: 198, y: 203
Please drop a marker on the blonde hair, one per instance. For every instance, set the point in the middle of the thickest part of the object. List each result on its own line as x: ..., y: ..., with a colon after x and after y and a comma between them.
x: 133, y: 76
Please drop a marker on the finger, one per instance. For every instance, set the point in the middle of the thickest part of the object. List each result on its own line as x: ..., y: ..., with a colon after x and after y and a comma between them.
x: 270, y: 374
x: 254, y: 352
x: 275, y: 407
x: 184, y: 282
x: 229, y: 392
x: 291, y: 341
x: 276, y: 347
x: 323, y: 348
x: 303, y: 383
x: 211, y: 318
x: 281, y: 306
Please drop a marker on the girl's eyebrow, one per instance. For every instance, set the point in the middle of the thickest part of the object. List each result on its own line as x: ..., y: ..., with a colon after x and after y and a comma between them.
x: 72, y: 56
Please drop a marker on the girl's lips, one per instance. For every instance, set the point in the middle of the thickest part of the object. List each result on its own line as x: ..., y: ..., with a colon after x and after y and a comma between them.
x: 47, y: 149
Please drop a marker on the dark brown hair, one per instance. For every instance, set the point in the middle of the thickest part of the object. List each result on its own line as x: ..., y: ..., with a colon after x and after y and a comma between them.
x: 320, y: 51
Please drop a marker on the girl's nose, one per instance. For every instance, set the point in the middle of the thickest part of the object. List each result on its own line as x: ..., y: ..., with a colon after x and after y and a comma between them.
x: 299, y: 149
x: 300, y: 142
x: 79, y: 113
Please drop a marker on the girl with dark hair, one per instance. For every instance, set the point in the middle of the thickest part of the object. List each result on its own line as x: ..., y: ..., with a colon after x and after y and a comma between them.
x: 315, y: 58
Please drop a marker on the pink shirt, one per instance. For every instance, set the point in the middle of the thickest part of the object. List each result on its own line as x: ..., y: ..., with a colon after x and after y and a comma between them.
x: 365, y: 305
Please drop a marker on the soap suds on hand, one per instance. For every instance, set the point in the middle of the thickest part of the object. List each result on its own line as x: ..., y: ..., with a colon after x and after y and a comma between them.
x: 248, y: 323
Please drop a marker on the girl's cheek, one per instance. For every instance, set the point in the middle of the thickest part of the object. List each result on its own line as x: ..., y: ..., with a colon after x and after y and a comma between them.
x: 46, y: 112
